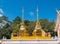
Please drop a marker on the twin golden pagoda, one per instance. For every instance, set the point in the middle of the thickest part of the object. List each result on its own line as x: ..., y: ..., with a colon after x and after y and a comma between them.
x: 37, y: 34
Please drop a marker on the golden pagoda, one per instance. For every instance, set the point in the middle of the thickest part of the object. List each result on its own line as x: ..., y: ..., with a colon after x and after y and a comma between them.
x: 38, y: 33
x: 22, y: 32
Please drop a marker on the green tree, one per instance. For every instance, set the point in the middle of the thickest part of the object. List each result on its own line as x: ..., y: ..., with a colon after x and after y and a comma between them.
x: 17, y: 20
x: 0, y: 33
x: 48, y: 26
x: 44, y: 24
x: 30, y: 27
x: 27, y: 22
x: 3, y: 18
x: 16, y: 24
x: 6, y: 31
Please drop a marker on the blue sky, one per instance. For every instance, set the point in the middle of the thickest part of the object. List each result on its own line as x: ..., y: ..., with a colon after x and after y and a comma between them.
x: 47, y: 9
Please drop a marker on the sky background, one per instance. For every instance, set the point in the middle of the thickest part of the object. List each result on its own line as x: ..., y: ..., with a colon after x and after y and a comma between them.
x: 13, y: 8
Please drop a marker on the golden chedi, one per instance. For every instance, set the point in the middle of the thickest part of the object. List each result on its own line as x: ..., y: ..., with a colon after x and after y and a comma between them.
x: 37, y: 34
x: 22, y: 33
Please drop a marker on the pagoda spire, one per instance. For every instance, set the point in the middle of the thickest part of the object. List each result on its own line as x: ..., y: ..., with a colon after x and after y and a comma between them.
x: 37, y: 20
x: 22, y: 15
x: 37, y: 12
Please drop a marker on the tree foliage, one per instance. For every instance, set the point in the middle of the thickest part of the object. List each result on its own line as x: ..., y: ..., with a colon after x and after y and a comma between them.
x: 6, y: 31
x: 17, y: 20
x: 16, y: 24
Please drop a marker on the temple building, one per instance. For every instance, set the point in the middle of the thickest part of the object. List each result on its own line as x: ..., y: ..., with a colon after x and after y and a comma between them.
x: 57, y: 24
x: 37, y: 34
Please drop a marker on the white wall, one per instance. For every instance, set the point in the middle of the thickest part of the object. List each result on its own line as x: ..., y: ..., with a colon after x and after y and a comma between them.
x: 30, y: 42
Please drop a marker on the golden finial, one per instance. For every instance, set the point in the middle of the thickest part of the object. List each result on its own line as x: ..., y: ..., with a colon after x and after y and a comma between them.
x: 23, y: 15
x: 37, y: 12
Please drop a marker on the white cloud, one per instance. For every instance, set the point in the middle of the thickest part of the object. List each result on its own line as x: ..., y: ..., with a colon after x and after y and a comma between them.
x: 31, y: 13
x: 1, y: 11
x: 1, y: 15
